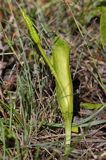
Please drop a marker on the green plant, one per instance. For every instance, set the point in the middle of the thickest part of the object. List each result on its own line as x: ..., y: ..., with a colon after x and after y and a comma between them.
x: 59, y: 66
x: 103, y: 22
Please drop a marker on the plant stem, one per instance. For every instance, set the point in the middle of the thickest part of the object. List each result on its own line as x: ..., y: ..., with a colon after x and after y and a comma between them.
x: 68, y: 128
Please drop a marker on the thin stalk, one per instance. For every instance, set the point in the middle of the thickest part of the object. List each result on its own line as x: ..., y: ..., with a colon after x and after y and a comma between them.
x: 68, y: 131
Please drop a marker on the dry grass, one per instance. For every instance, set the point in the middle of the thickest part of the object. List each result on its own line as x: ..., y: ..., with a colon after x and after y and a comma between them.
x: 31, y: 126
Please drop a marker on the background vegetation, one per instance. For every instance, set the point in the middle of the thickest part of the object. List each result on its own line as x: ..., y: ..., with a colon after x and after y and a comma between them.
x: 31, y: 126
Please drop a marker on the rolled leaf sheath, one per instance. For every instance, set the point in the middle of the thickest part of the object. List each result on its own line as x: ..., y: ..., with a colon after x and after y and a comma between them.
x: 64, y: 94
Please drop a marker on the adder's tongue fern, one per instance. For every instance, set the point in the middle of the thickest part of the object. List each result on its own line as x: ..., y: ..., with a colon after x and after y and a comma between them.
x: 61, y: 71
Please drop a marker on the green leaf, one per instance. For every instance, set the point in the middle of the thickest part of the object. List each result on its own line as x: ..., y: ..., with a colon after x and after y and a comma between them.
x: 60, y: 53
x: 91, y: 105
x: 103, y: 25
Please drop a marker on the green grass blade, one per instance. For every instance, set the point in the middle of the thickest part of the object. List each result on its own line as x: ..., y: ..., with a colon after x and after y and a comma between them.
x: 16, y: 116
x: 91, y: 105
x: 103, y: 25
